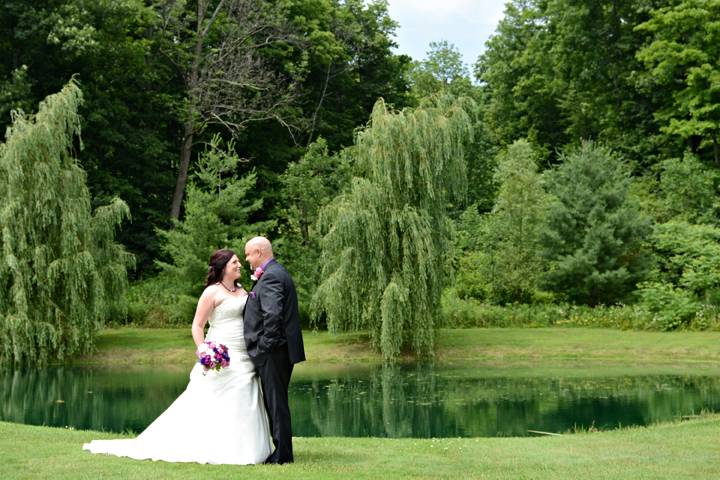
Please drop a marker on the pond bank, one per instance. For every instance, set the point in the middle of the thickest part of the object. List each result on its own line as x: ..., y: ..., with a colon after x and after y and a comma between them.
x: 499, y: 351
x: 667, y: 451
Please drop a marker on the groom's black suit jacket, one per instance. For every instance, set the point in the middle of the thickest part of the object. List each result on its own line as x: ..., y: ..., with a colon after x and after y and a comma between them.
x: 271, y: 318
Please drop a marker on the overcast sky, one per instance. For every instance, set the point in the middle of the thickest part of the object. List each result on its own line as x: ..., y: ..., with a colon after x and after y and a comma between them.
x: 465, y: 23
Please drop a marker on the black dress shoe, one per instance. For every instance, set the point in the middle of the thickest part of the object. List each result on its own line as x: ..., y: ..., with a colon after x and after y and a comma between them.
x: 272, y: 458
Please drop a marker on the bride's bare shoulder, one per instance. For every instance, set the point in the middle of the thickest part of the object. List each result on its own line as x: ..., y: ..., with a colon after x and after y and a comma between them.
x: 210, y: 292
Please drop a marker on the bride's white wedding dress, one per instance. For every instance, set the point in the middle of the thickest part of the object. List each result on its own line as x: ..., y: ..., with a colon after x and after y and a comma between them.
x: 220, y: 418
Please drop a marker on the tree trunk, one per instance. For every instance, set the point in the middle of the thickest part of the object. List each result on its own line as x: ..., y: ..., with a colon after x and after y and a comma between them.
x: 189, y: 133
x: 185, y: 154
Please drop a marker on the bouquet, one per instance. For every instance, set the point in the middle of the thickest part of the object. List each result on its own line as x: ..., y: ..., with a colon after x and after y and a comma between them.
x: 213, y: 356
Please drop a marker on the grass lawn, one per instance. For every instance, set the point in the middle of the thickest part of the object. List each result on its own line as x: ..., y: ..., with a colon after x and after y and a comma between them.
x: 683, y: 450
x: 498, y: 351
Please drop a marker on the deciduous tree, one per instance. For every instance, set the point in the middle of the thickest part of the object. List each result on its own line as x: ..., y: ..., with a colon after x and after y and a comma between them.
x: 61, y: 272
x: 683, y: 59
x: 386, y: 240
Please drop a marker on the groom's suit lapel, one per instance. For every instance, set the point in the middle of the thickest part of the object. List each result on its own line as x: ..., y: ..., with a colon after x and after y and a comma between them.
x: 269, y: 265
x: 256, y: 284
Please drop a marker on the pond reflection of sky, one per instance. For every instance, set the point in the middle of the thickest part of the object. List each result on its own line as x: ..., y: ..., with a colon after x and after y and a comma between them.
x: 384, y: 402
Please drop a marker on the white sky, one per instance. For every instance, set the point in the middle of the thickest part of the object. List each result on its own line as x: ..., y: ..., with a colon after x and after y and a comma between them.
x: 465, y: 23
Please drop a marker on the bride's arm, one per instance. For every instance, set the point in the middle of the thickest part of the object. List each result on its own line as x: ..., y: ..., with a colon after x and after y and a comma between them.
x: 202, y: 312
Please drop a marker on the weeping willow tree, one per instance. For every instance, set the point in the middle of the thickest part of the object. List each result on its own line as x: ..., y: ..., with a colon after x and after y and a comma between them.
x: 387, y: 238
x: 61, y: 272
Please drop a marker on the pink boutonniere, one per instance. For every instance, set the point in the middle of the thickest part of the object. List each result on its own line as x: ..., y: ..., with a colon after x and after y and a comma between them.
x: 257, y: 274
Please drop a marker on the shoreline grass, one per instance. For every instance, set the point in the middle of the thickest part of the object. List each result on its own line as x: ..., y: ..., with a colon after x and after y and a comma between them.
x: 677, y: 450
x: 498, y: 351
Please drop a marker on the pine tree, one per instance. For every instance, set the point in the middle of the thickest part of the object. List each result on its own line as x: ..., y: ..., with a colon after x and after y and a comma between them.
x: 593, y: 242
x: 218, y: 206
x: 61, y: 272
x: 386, y: 239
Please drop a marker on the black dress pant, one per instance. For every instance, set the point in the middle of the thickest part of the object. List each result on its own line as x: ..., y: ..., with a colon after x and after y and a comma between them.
x: 275, y: 369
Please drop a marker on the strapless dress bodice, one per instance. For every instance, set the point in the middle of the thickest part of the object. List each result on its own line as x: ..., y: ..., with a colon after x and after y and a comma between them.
x: 226, y: 323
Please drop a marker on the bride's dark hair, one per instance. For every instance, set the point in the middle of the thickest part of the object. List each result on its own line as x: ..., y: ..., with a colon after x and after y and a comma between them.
x: 218, y: 260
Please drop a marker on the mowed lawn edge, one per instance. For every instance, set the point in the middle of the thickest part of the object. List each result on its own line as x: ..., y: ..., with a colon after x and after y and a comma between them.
x: 498, y: 351
x: 675, y: 450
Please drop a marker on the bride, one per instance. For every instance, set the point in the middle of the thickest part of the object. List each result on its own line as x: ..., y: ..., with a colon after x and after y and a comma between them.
x: 220, y: 418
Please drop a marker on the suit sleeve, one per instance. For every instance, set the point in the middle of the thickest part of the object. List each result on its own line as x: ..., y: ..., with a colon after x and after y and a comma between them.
x: 272, y: 299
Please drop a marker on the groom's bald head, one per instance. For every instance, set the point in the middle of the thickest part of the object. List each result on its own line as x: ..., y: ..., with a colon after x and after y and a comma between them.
x: 258, y: 250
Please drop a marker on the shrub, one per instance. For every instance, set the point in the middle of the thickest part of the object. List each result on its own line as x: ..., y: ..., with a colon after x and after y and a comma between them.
x: 469, y: 313
x: 671, y: 307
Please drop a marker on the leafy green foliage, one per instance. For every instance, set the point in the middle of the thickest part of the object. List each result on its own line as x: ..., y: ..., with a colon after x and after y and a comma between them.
x: 128, y: 111
x: 15, y: 93
x: 689, y: 257
x: 61, y: 272
x: 388, y: 234
x: 338, y: 55
x: 507, y: 261
x: 672, y: 307
x: 593, y: 240
x: 688, y: 190
x: 470, y: 313
x: 442, y: 71
x: 519, y: 81
x: 682, y: 58
x: 562, y: 71
x: 307, y: 186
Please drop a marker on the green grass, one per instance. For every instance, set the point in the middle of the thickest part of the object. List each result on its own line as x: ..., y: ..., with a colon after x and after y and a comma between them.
x: 498, y: 351
x: 673, y: 450
x: 667, y: 451
x: 580, y: 351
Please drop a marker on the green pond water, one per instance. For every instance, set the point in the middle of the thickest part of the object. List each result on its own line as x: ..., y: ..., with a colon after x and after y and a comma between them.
x: 418, y: 402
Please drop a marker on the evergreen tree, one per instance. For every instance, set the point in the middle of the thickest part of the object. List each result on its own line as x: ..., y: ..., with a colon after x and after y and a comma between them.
x: 61, y: 272
x: 386, y: 239
x: 218, y: 207
x: 595, y: 230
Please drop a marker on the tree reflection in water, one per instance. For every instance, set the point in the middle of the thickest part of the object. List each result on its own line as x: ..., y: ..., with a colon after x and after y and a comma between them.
x: 423, y: 402
x: 398, y: 401
x: 106, y: 400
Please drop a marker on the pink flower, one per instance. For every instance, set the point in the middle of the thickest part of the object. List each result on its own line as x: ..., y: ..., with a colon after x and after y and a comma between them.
x: 257, y: 274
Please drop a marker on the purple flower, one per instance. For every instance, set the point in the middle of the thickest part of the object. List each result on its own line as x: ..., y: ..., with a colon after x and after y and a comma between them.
x: 213, y: 356
x: 252, y: 295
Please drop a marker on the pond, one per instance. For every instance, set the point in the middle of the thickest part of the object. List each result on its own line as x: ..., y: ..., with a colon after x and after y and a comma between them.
x: 419, y: 402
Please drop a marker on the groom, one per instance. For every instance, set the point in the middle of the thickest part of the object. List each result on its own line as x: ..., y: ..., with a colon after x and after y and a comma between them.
x: 273, y: 339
